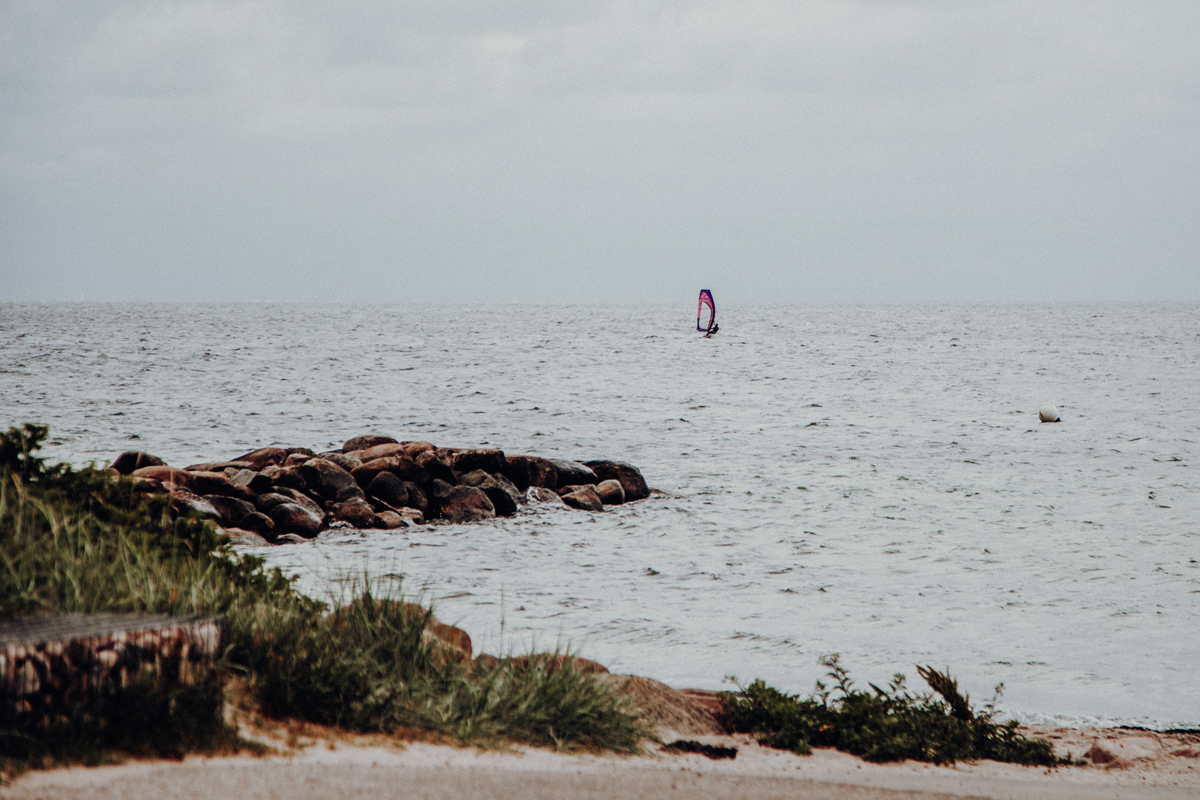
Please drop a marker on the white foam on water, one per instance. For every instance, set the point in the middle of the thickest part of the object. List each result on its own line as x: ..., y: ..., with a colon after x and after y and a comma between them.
x: 871, y: 481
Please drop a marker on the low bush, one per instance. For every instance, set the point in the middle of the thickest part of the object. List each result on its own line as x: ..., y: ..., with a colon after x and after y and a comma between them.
x: 882, y: 724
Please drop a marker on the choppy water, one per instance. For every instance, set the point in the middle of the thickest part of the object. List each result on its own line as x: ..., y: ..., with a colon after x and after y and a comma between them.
x: 870, y: 480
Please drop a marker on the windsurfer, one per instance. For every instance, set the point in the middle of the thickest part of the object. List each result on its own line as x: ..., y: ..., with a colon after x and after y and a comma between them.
x: 715, y: 327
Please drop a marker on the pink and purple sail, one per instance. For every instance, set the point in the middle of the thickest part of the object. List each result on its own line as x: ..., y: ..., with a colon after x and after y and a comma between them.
x: 706, y: 299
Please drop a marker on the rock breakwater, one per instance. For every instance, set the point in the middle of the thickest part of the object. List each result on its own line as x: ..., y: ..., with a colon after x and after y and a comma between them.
x: 279, y: 495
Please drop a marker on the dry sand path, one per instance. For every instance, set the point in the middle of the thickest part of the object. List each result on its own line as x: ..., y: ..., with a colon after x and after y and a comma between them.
x: 349, y: 771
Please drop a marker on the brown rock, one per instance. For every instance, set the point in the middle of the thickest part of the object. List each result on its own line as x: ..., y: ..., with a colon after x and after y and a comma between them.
x: 260, y: 523
x: 132, y: 460
x: 245, y: 538
x: 540, y: 494
x: 348, y: 463
x: 293, y: 518
x: 413, y: 448
x: 629, y: 476
x: 466, y: 504
x: 290, y: 538
x: 532, y: 470
x: 388, y: 489
x: 553, y: 661
x: 230, y: 510
x: 219, y: 483
x: 572, y: 472
x: 611, y: 493
x: 185, y: 503
x: 329, y: 480
x: 363, y: 442
x: 402, y: 467
x: 291, y: 477
x: 181, y: 478
x: 254, y: 481
x: 488, y: 459
x: 300, y: 499
x: 264, y: 456
x: 660, y: 706
x: 218, y: 466
x: 575, y: 488
x: 389, y: 520
x: 417, y: 498
x: 379, y: 451
x: 500, y: 491
x: 356, y: 511
x: 437, y: 464
x: 295, y: 459
x: 584, y: 498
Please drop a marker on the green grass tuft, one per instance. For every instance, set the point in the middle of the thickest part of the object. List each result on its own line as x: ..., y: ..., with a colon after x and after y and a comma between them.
x: 882, y: 724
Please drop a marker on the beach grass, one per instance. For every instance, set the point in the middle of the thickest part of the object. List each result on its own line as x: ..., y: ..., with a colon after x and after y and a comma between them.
x: 883, y: 725
x: 80, y: 541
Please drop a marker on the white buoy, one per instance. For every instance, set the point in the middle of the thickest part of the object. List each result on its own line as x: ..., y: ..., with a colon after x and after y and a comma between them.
x: 1048, y: 413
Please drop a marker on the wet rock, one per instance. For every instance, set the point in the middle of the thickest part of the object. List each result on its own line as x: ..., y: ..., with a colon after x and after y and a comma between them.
x: 402, y: 467
x: 584, y: 498
x: 295, y: 459
x: 348, y: 463
x: 629, y: 476
x: 329, y: 480
x: 572, y: 472
x: 413, y: 448
x: 489, y: 460
x: 230, y: 510
x: 611, y: 492
x: 245, y: 538
x: 263, y: 457
x: 417, y: 498
x: 132, y: 460
x: 500, y: 490
x: 293, y: 518
x: 301, y: 498
x: 466, y: 504
x: 260, y: 523
x: 218, y: 466
x: 437, y: 464
x: 516, y: 469
x: 575, y: 488
x: 389, y: 489
x: 219, y: 483
x: 363, y: 442
x: 413, y: 515
x: 379, y: 451
x: 540, y: 494
x: 249, y: 479
x: 356, y: 511
x: 389, y: 520
x: 290, y: 538
x: 541, y: 471
x: 185, y: 503
x: 181, y: 479
x: 290, y: 477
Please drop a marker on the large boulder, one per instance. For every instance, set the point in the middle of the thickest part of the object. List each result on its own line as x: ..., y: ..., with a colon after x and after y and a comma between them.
x: 417, y: 498
x: 181, y: 479
x: 231, y: 510
x: 293, y: 518
x: 329, y: 480
x: 526, y: 471
x: 488, y: 459
x: 300, y: 498
x: 260, y: 523
x: 219, y: 483
x: 263, y: 457
x: 348, y: 463
x: 366, y: 454
x: 572, y: 472
x: 248, y: 478
x: 245, y: 538
x: 466, y: 504
x: 363, y: 442
x: 438, y: 464
x: 402, y: 467
x: 540, y: 494
x: 218, y: 466
x: 185, y: 503
x: 131, y: 460
x: 628, y: 475
x: 291, y: 477
x: 611, y: 493
x: 356, y: 511
x: 500, y: 490
x: 584, y: 498
x: 389, y: 489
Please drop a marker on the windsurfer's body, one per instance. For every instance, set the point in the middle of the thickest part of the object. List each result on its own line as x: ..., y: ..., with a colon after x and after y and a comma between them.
x: 712, y: 329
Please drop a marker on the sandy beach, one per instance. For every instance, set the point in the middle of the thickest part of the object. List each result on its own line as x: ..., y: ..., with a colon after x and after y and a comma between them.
x: 328, y: 765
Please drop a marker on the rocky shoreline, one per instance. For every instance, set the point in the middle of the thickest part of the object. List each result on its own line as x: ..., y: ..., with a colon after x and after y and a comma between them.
x: 281, y: 495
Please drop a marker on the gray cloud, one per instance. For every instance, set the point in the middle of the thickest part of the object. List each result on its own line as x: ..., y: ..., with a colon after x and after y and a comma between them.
x: 833, y: 150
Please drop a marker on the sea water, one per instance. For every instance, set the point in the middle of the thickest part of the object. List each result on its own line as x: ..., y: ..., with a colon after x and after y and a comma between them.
x: 871, y: 481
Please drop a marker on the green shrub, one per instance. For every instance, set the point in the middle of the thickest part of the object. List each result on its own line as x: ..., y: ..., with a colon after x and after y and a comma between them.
x: 882, y: 724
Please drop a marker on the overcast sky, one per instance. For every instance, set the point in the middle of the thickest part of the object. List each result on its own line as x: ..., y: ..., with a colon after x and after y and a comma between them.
x: 838, y: 150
